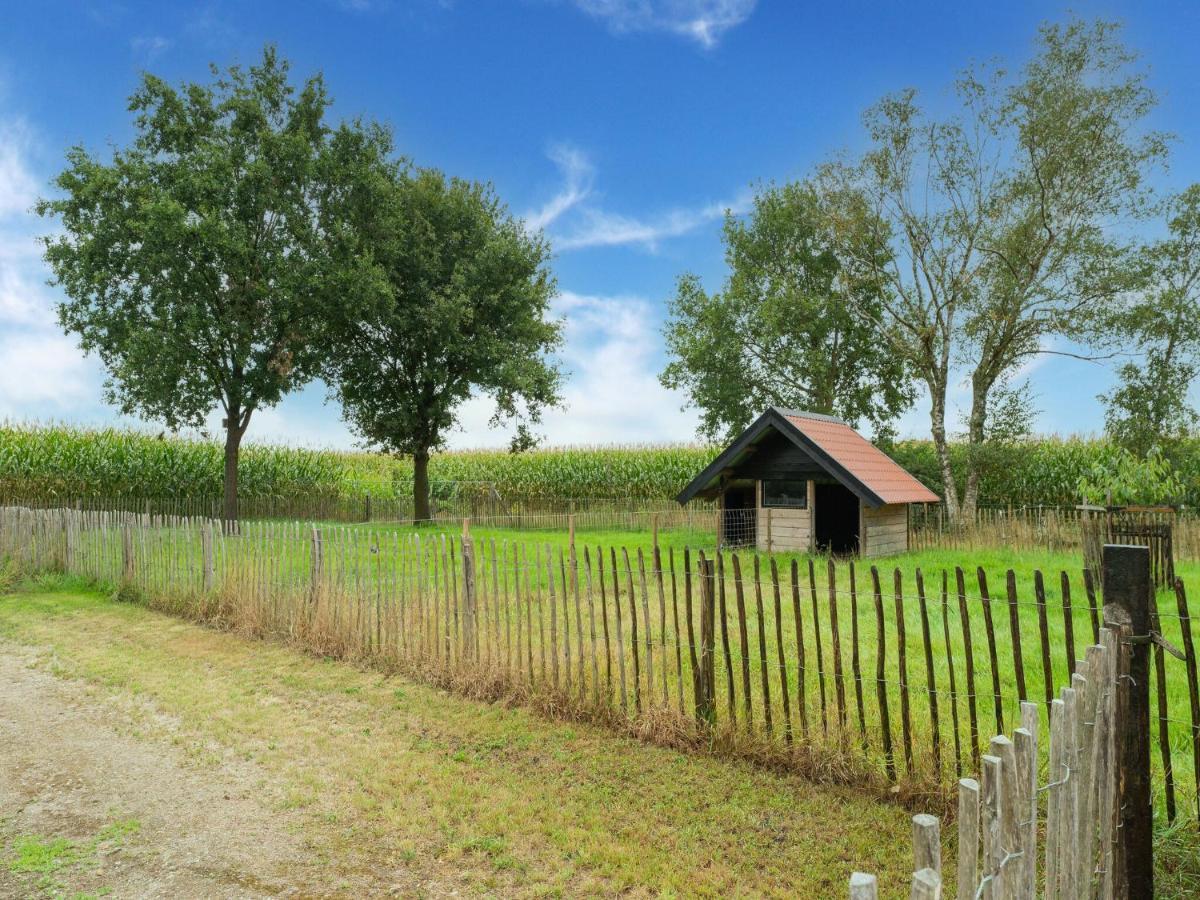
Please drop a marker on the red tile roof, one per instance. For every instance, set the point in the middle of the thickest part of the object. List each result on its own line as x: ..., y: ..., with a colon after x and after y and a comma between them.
x: 862, y: 459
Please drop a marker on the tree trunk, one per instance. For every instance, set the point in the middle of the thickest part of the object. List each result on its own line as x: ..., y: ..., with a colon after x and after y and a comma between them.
x: 937, y: 416
x: 235, y: 428
x: 421, y: 487
x: 975, y: 437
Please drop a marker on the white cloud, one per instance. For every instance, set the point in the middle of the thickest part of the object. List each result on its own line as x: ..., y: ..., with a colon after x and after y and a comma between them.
x: 578, y: 174
x: 612, y: 352
x: 18, y: 187
x: 703, y: 21
x: 581, y: 223
x: 43, y: 375
x: 604, y: 229
x: 150, y: 47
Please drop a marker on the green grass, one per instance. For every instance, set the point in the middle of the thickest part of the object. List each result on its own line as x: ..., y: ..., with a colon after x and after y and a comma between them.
x: 484, y: 797
x: 52, y: 859
x: 370, y: 574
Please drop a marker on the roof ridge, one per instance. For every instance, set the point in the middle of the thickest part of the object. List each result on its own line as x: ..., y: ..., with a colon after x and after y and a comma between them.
x: 805, y: 414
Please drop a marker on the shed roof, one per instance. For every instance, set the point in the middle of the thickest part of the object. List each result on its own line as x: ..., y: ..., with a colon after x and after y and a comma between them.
x: 841, y: 451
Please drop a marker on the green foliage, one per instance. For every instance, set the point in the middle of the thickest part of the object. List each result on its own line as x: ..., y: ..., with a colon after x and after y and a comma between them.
x: 792, y: 327
x: 464, y: 311
x: 999, y: 214
x: 1150, y: 405
x: 193, y: 263
x: 1119, y: 477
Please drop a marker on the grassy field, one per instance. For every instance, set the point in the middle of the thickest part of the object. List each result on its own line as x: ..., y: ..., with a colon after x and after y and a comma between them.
x: 389, y: 594
x: 490, y: 799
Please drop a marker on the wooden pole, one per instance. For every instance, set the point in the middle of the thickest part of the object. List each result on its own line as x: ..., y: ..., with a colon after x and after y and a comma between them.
x: 880, y: 680
x: 1126, y: 581
x: 1193, y: 680
x: 706, y: 707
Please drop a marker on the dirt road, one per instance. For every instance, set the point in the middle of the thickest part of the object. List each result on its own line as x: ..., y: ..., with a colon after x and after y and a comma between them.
x: 95, y: 799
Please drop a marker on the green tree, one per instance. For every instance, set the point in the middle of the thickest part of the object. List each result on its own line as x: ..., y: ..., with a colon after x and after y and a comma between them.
x: 783, y: 331
x: 192, y: 262
x: 1150, y: 406
x: 999, y: 219
x: 465, y: 312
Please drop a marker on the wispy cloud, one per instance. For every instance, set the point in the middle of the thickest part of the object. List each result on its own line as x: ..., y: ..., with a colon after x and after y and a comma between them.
x: 578, y: 174
x: 598, y: 228
x: 150, y: 47
x: 703, y: 21
x: 577, y: 221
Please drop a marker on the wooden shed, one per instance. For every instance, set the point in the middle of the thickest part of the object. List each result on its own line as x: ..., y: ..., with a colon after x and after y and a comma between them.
x: 804, y: 481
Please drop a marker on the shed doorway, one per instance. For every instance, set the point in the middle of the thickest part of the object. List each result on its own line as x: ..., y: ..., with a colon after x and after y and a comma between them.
x: 739, y: 525
x: 836, y: 519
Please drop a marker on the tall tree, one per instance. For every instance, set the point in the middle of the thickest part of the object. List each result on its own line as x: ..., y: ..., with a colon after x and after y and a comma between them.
x: 1150, y: 405
x: 783, y: 330
x: 465, y: 312
x: 1001, y: 218
x: 192, y: 261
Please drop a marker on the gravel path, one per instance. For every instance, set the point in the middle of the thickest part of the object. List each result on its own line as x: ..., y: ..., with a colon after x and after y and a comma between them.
x: 142, y: 821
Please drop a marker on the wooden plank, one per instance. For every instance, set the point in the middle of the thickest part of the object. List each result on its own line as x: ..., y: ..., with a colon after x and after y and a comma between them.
x: 855, y: 662
x: 969, y: 656
x: 1193, y: 682
x: 816, y: 624
x: 729, y: 680
x: 993, y: 658
x: 633, y: 631
x: 687, y: 604
x: 591, y: 605
x: 608, y: 679
x: 620, y: 629
x: 926, y: 885
x: 880, y: 679
x: 784, y: 696
x: 662, y: 613
x: 646, y: 625
x: 1089, y: 584
x: 743, y: 638
x: 968, y: 836
x: 902, y: 669
x: 1039, y: 589
x: 930, y: 677
x: 1011, y: 819
x: 953, y: 683
x: 1056, y: 773
x: 1127, y: 596
x: 863, y: 886
x: 990, y: 826
x: 927, y: 843
x: 678, y: 630
x: 1068, y: 622
x: 1014, y: 628
x: 798, y: 620
x: 835, y: 636
x: 762, y: 647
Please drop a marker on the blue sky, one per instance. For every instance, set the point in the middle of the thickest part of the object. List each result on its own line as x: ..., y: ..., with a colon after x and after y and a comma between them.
x: 623, y: 127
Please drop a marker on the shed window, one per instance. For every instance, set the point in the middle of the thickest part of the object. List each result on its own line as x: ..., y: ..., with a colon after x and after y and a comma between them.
x: 787, y: 494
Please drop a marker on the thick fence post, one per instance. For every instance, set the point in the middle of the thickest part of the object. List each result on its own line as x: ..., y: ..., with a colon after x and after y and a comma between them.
x: 1126, y: 584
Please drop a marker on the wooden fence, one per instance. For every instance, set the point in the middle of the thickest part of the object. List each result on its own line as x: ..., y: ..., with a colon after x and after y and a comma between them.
x: 839, y: 671
x: 1097, y: 816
